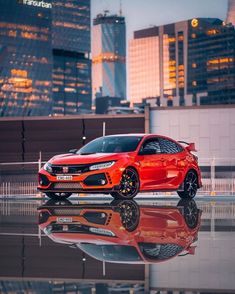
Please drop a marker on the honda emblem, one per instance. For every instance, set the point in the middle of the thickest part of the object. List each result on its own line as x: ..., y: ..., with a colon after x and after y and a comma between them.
x: 65, y: 169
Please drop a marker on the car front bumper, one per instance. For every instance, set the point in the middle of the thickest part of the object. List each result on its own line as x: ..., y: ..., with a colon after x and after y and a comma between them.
x: 105, y: 181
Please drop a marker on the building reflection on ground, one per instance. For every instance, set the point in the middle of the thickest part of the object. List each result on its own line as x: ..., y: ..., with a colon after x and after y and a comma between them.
x: 131, y: 247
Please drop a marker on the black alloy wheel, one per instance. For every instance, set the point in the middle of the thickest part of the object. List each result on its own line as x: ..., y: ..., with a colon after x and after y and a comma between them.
x: 129, y: 185
x: 129, y: 213
x: 190, y: 186
x: 58, y: 195
x: 190, y: 212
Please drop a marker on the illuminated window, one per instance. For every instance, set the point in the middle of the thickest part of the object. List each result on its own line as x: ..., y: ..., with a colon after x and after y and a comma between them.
x: 194, y: 83
x: 172, y: 68
x: 194, y: 65
x: 212, y: 32
x: 171, y: 40
x: 181, y: 38
x: 19, y: 73
x: 172, y: 62
x: 181, y: 73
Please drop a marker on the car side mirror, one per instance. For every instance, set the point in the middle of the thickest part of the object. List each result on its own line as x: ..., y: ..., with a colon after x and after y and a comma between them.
x: 147, y: 151
x: 73, y: 151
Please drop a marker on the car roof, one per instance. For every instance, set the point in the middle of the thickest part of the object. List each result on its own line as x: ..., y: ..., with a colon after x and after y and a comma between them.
x: 124, y: 135
x: 138, y: 135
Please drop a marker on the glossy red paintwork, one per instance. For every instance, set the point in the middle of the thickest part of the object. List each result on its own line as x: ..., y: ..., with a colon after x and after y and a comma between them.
x: 155, y: 225
x: 158, y: 172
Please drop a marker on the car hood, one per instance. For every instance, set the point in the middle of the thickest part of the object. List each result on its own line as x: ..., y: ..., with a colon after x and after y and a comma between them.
x: 83, y: 159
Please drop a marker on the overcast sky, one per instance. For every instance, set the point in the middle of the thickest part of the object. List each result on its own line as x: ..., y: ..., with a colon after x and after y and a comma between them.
x: 145, y: 13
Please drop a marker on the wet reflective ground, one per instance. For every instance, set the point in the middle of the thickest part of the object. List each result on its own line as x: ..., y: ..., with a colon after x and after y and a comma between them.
x: 102, y: 246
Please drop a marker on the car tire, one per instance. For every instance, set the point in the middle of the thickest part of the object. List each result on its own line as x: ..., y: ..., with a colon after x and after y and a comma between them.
x: 129, y: 185
x: 58, y: 195
x: 190, y: 186
x: 190, y: 212
x: 129, y: 213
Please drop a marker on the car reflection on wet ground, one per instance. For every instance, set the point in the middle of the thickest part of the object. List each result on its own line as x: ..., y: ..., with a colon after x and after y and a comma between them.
x: 104, y: 246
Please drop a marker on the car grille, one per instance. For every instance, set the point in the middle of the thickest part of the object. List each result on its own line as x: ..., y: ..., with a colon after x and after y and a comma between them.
x: 67, y: 211
x: 160, y: 252
x: 169, y: 250
x: 67, y: 185
x: 70, y: 169
x: 70, y: 228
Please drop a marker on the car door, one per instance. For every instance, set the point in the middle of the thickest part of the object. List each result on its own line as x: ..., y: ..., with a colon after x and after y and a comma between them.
x: 152, y: 168
x: 173, y: 156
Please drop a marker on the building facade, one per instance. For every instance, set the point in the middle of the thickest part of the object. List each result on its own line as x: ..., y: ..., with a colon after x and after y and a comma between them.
x: 71, y: 63
x: 109, y: 56
x: 185, y: 63
x: 44, y: 57
x: 231, y: 12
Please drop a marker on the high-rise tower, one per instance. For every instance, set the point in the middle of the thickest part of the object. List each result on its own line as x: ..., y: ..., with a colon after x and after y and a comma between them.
x: 71, y: 62
x: 109, y: 56
x: 231, y: 12
x: 184, y: 63
x: 44, y: 57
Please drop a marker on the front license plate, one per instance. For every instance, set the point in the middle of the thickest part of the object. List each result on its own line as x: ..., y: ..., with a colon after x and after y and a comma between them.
x: 64, y: 219
x: 64, y: 178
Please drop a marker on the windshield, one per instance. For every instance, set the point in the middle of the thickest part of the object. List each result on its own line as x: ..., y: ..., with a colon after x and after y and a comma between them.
x: 112, y: 144
x: 111, y: 252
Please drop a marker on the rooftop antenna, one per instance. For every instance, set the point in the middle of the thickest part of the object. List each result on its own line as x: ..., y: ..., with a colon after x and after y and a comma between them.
x: 106, y: 12
x: 120, y: 11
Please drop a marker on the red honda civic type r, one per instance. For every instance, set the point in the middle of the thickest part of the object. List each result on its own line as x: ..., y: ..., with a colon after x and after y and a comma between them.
x: 123, y: 165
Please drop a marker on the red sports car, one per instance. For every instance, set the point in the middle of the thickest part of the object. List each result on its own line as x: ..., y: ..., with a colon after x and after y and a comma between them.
x: 123, y: 231
x: 123, y: 165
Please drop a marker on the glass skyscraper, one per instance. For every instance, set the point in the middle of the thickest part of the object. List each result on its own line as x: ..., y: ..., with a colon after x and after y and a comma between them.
x: 71, y: 63
x: 109, y: 56
x: 44, y: 57
x: 184, y: 63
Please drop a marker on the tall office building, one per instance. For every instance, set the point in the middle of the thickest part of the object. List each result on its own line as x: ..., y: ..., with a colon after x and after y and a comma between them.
x: 231, y: 12
x: 71, y: 63
x: 109, y: 56
x: 44, y: 57
x: 185, y: 63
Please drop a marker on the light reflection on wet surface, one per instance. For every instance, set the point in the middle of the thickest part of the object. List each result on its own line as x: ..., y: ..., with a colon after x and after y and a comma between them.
x: 105, y: 247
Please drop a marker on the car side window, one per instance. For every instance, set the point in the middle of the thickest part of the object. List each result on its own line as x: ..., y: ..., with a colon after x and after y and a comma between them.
x: 152, y: 144
x: 169, y: 147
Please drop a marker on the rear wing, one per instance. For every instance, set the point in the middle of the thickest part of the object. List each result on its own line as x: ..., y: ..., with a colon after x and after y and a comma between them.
x: 190, y: 146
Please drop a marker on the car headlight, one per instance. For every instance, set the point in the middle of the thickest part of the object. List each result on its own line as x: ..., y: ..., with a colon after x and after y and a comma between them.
x: 47, y: 167
x: 102, y: 165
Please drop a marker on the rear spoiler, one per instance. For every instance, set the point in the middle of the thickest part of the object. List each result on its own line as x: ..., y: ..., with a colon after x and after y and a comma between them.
x: 190, y: 147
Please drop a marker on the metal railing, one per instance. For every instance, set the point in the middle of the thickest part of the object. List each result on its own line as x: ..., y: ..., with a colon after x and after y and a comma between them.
x: 18, y: 188
x: 20, y: 178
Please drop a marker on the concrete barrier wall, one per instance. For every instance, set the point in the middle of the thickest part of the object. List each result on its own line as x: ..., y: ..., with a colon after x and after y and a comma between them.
x: 212, y: 128
x: 23, y: 138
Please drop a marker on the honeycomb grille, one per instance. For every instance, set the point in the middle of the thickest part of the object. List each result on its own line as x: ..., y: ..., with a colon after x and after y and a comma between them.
x: 67, y: 186
x: 67, y: 211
